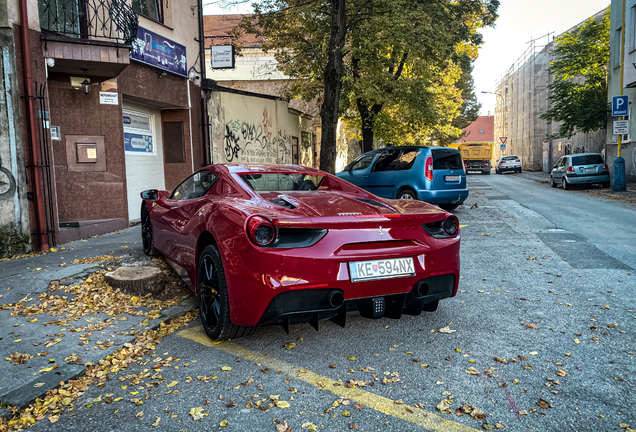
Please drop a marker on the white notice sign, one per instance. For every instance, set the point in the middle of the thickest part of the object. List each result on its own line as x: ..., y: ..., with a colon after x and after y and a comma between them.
x: 222, y: 57
x: 621, y: 127
x: 108, y: 98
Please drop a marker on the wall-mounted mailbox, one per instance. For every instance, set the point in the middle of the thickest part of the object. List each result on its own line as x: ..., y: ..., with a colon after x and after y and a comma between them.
x: 86, y: 152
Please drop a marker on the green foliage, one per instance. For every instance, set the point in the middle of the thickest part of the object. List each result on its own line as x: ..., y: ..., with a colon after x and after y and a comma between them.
x: 578, y: 94
x: 407, y: 63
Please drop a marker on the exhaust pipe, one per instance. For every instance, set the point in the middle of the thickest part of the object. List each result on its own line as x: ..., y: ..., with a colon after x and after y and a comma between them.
x: 420, y: 289
x: 336, y: 299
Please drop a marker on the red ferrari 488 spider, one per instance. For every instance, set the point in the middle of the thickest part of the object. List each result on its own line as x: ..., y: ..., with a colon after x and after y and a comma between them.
x: 284, y: 244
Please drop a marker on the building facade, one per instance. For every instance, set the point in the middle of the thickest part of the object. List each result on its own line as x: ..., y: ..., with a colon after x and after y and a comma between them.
x: 522, y: 97
x: 628, y: 148
x: 115, y: 108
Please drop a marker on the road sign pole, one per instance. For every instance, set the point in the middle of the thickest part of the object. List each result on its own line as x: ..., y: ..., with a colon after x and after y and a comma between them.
x: 618, y: 180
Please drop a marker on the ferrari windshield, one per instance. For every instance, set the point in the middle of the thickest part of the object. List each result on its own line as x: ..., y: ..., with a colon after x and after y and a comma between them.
x: 282, y: 182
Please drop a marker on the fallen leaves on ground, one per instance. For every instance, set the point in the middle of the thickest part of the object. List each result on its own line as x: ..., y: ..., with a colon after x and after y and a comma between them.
x: 446, y: 330
x: 282, y: 426
x: 472, y: 411
x: 444, y: 406
x: 309, y: 426
x: 19, y: 358
x: 63, y: 398
x: 532, y: 326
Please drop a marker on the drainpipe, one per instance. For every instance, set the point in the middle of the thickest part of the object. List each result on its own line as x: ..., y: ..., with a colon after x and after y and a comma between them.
x: 205, y: 136
x: 31, y: 119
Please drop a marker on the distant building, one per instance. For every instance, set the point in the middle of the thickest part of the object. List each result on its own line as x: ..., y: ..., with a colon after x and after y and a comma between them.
x: 481, y: 130
x: 522, y: 97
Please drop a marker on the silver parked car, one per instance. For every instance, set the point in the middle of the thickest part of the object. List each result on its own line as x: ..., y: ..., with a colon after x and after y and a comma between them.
x: 508, y: 163
x: 582, y: 168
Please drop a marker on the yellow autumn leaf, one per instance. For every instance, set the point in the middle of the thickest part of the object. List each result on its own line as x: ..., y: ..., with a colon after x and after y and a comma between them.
x: 49, y: 369
x: 172, y: 384
x: 156, y: 423
x: 351, y: 358
x: 226, y: 368
x: 283, y: 404
x: 290, y: 346
x: 309, y: 426
x: 577, y: 340
x: 134, y: 299
x: 223, y: 423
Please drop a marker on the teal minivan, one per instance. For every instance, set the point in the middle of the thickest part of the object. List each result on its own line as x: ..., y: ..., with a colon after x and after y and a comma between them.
x: 432, y: 174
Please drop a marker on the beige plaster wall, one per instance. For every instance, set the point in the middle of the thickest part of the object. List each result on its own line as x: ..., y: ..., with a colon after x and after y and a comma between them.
x: 248, y: 129
x: 10, y: 13
x: 252, y: 64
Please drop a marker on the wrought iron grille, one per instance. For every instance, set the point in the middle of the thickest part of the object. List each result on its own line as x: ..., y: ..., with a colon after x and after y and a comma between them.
x: 110, y: 20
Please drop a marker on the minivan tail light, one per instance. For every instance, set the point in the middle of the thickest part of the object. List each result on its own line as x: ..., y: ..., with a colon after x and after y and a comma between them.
x: 570, y: 169
x: 428, y: 168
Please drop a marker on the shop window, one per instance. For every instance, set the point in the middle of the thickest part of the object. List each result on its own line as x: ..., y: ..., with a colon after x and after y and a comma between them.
x: 174, y: 142
x: 139, y: 133
x: 152, y: 9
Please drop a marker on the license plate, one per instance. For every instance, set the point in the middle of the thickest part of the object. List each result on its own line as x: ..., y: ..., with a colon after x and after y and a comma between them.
x: 381, y: 269
x: 589, y: 170
x: 451, y: 178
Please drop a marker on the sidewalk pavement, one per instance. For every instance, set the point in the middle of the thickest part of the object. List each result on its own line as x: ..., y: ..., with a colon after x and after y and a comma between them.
x: 57, y: 316
x: 629, y: 195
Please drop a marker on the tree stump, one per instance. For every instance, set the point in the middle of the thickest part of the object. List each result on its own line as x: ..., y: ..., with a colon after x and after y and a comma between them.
x: 136, y: 280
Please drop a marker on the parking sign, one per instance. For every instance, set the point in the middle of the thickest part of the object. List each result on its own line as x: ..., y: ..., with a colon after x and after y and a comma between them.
x: 619, y: 105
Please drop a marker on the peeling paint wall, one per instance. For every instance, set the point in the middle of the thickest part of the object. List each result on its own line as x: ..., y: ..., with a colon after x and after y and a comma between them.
x: 14, y: 211
x: 254, y: 130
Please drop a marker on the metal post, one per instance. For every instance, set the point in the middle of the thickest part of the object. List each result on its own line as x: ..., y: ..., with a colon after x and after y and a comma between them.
x: 618, y: 180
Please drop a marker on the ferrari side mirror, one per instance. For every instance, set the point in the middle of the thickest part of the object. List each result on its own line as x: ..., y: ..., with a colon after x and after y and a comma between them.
x: 150, y: 194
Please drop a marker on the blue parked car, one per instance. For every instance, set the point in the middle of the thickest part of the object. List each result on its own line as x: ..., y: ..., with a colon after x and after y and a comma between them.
x: 431, y: 174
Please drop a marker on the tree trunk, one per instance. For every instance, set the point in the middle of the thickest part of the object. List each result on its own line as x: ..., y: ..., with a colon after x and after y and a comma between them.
x: 368, y: 118
x: 333, y: 87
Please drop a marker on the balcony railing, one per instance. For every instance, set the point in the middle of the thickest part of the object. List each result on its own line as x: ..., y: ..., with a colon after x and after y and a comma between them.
x: 92, y: 20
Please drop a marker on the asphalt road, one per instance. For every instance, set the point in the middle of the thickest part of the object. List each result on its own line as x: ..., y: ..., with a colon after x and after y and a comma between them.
x: 547, y: 289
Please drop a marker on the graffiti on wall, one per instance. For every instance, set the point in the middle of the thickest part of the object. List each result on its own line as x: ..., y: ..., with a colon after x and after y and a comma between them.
x: 7, y: 183
x: 255, y: 143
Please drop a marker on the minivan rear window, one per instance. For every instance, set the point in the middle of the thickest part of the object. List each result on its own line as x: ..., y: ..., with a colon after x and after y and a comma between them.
x: 446, y: 159
x: 590, y: 159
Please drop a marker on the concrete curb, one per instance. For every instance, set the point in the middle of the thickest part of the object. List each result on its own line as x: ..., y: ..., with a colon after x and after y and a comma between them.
x: 28, y: 393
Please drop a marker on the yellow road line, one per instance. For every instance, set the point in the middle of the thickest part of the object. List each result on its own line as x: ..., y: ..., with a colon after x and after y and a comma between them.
x: 381, y: 404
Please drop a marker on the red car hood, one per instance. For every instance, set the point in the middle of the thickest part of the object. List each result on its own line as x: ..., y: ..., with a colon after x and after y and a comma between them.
x: 326, y: 204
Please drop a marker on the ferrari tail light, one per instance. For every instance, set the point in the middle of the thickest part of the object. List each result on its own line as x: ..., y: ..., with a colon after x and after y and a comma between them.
x: 570, y: 169
x: 428, y: 168
x: 261, y: 231
x: 443, y: 229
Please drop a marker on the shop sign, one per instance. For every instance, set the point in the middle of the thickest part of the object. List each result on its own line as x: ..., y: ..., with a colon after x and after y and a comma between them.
x: 136, y: 143
x: 137, y: 122
x: 222, y: 56
x: 158, y: 51
x: 108, y: 98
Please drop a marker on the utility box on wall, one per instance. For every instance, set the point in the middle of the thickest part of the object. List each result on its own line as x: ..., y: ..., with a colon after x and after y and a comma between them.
x: 85, y: 153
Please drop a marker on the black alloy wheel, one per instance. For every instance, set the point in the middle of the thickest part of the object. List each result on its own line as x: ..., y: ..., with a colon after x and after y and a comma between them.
x: 147, y: 238
x: 214, y: 304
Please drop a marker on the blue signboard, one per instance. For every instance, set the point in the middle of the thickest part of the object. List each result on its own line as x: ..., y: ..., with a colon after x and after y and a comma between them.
x: 156, y: 50
x: 619, y: 105
x: 138, y: 143
x: 502, y: 147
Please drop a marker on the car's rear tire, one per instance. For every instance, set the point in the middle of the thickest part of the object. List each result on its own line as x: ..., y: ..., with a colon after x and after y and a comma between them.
x: 448, y: 207
x: 519, y: 171
x: 552, y: 183
x: 214, y: 302
x: 497, y: 171
x: 147, y: 236
x: 566, y: 185
x: 487, y: 172
x: 605, y: 184
x: 406, y: 193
